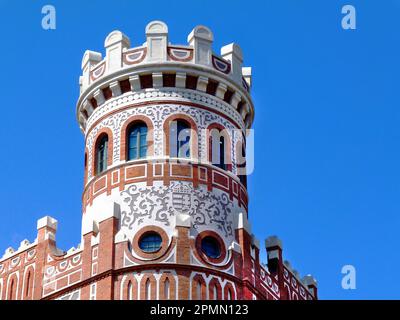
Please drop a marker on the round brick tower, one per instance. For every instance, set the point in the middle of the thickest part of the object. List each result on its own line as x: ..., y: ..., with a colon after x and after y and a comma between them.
x: 165, y: 201
x: 164, y: 129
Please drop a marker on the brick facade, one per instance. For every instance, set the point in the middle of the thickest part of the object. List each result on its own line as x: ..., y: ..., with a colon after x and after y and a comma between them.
x: 180, y: 202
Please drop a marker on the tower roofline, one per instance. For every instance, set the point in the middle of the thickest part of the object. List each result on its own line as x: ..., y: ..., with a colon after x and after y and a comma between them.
x: 157, y: 58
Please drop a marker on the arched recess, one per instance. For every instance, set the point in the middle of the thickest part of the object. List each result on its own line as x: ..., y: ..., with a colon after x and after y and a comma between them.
x: 229, y: 292
x: 85, y: 174
x: 28, y: 284
x: 124, y: 131
x: 241, y: 161
x: 167, y: 286
x: 286, y: 291
x: 12, y: 287
x: 193, y: 134
x: 148, y: 287
x: 129, y: 288
x: 214, y: 290
x: 216, y: 130
x: 199, y: 288
x: 99, y: 136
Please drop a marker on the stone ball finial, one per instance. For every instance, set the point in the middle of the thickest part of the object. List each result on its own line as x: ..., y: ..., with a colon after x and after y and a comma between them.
x: 156, y: 27
x: 115, y: 37
x: 201, y: 32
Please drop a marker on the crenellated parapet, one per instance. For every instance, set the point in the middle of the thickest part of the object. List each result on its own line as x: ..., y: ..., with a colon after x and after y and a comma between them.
x: 292, y: 286
x: 106, y: 253
x: 159, y: 66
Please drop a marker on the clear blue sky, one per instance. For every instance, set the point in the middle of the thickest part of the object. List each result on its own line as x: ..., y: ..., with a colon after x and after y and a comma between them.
x: 327, y: 125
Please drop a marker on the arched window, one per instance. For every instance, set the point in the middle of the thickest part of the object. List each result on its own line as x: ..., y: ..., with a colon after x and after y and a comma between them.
x: 101, y: 154
x: 147, y: 290
x: 222, y: 161
x: 241, y: 161
x: 137, y: 141
x: 11, y: 291
x: 166, y: 289
x: 85, y: 173
x: 215, y: 293
x: 229, y: 297
x: 130, y: 291
x: 218, y: 145
x: 198, y: 290
x: 180, y: 137
x: 28, y: 285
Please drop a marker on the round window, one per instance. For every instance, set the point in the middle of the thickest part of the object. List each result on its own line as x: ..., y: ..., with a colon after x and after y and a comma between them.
x: 210, y: 247
x: 150, y: 242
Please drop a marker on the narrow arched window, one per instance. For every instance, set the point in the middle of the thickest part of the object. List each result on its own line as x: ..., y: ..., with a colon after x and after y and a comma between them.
x: 148, y: 290
x: 180, y: 137
x: 85, y: 173
x: 11, y: 290
x: 130, y: 291
x: 222, y: 162
x: 28, y: 285
x: 229, y: 294
x: 241, y: 161
x: 137, y: 141
x: 198, y: 290
x: 166, y: 289
x: 218, y: 149
x: 215, y: 292
x: 101, y: 154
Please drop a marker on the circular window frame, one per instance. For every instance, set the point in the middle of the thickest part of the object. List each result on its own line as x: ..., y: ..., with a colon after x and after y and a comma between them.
x: 221, y: 243
x: 150, y: 255
x: 213, y: 241
x: 150, y: 233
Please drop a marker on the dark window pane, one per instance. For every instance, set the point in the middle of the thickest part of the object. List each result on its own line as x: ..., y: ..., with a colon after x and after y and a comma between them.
x: 150, y: 242
x: 137, y: 141
x: 180, y: 136
x: 211, y: 247
x: 101, y: 155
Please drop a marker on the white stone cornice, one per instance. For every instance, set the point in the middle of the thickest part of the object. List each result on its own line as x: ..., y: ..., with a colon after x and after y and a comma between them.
x: 115, y: 88
x: 221, y: 90
x: 99, y: 96
x: 87, y: 106
x: 132, y: 73
x: 163, y: 94
x: 180, y: 81
x: 202, y: 83
x: 157, y: 79
x: 236, y: 98
x: 135, y: 82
